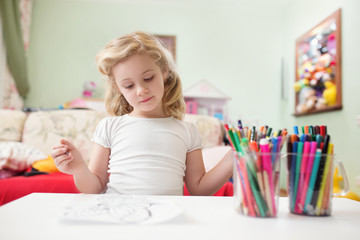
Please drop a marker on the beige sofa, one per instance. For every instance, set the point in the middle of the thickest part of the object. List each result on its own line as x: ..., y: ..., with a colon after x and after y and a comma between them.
x: 28, y: 138
x: 44, y: 129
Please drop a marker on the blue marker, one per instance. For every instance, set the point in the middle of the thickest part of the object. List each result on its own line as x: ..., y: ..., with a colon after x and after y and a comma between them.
x: 313, y: 177
x: 319, y: 140
x: 292, y: 172
x: 296, y: 130
x: 303, y: 138
x: 274, y: 142
x: 297, y: 172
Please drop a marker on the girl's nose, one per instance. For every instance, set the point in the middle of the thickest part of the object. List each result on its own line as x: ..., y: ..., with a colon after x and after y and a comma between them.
x: 142, y: 90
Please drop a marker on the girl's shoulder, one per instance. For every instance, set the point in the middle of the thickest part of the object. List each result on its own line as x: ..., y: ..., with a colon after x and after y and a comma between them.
x: 169, y: 121
x: 111, y: 120
x: 187, y: 125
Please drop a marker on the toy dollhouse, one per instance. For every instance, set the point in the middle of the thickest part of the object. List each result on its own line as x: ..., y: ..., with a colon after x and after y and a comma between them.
x: 205, y: 99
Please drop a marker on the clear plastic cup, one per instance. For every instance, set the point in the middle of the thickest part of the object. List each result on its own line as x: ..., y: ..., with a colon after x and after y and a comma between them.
x: 310, y: 183
x: 256, y: 183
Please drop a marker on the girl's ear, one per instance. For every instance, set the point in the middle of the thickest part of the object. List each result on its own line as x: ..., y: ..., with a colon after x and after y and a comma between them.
x: 165, y: 75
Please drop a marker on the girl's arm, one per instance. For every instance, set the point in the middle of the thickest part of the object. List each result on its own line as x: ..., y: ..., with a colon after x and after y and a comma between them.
x: 93, y: 179
x: 88, y: 179
x: 200, y: 182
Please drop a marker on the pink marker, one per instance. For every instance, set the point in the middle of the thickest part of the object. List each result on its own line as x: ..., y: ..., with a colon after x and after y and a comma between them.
x: 266, y: 160
x: 304, y: 161
x: 309, y: 167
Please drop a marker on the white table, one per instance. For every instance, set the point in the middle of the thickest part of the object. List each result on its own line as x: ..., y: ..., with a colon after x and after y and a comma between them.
x: 36, y: 216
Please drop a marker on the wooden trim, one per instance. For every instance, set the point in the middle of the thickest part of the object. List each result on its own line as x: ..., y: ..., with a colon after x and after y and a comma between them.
x: 170, y: 43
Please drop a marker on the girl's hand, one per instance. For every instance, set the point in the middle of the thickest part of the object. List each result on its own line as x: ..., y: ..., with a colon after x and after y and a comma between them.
x: 67, y: 158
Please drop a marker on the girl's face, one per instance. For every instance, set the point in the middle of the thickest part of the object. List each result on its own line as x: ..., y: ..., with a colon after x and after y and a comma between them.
x: 141, y: 82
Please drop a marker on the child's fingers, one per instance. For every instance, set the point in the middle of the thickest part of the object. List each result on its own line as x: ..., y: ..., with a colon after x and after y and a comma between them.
x: 63, y: 162
x: 59, y: 151
x: 63, y: 157
x: 60, y: 146
x: 64, y: 141
x: 67, y: 143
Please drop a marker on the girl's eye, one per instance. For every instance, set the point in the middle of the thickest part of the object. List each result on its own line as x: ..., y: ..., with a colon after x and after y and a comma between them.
x: 129, y: 86
x: 149, y: 79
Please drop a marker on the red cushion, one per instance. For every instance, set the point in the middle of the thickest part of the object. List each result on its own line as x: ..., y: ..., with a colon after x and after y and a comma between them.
x: 17, y: 187
x: 226, y: 190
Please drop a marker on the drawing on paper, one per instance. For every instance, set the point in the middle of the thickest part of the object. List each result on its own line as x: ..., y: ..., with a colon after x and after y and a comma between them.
x: 115, y: 208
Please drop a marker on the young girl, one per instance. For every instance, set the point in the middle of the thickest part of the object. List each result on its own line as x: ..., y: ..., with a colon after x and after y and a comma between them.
x: 146, y: 148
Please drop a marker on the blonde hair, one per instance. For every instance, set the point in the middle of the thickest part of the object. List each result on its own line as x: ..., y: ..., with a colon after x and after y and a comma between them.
x: 120, y: 49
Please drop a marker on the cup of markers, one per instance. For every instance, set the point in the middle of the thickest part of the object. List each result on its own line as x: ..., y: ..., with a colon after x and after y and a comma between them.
x: 256, y: 169
x: 310, y: 168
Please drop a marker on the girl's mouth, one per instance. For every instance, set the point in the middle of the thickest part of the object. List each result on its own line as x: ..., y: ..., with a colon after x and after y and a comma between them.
x: 146, y: 100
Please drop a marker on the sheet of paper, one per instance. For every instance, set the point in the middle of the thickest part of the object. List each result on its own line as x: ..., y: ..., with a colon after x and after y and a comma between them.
x: 115, y: 208
x: 213, y: 155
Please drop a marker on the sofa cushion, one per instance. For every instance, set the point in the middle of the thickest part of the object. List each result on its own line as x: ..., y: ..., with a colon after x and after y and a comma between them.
x: 44, y: 129
x: 17, y: 187
x: 210, y: 129
x: 18, y: 156
x: 11, y: 124
x: 57, y: 182
x: 227, y: 190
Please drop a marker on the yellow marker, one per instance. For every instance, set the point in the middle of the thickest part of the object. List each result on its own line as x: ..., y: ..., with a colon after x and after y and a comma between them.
x: 249, y: 134
x: 238, y: 133
x: 325, y: 202
x: 323, y: 180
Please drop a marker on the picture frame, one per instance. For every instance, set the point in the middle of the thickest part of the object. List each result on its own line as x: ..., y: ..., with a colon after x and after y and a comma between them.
x: 170, y: 43
x: 318, y: 68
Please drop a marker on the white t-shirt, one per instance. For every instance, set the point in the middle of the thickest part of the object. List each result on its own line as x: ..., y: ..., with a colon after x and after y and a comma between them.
x: 147, y: 154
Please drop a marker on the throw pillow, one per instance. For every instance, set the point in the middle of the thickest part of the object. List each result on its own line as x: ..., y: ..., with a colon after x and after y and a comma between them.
x: 18, y: 156
x: 11, y: 124
x: 210, y: 129
x: 45, y: 129
x: 45, y: 165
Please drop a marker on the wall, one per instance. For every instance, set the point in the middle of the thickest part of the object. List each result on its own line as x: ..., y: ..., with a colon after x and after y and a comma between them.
x: 236, y: 45
x: 302, y: 16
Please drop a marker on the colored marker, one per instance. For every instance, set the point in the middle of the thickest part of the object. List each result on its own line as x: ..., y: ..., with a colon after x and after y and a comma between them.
x: 240, y: 124
x: 292, y: 175
x: 297, y: 172
x: 264, y: 146
x: 313, y: 177
x: 321, y: 171
x: 296, y: 130
x: 323, y: 180
x: 309, y: 167
x: 304, y: 161
x: 274, y: 142
x: 268, y: 132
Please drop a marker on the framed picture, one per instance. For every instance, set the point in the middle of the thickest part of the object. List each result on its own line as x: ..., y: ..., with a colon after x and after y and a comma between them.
x: 318, y: 68
x: 170, y: 42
